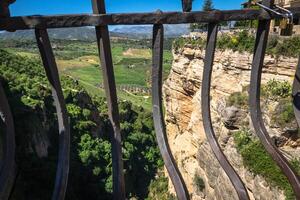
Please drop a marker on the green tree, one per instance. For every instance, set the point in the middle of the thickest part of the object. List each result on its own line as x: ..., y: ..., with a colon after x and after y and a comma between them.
x: 29, y: 95
x: 207, y: 6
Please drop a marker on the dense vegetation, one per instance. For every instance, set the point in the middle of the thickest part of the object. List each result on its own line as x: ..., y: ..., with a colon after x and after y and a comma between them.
x: 36, y: 131
x: 258, y: 161
x: 158, y: 190
x: 244, y: 41
x: 254, y: 155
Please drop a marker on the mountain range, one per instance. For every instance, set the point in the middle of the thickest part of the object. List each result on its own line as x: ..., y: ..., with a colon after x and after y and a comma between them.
x: 88, y: 33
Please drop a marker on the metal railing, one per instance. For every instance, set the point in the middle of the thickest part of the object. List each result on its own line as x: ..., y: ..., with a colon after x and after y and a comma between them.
x: 101, y: 20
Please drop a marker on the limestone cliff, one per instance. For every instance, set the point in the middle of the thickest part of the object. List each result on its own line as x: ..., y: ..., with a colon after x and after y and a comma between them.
x: 184, y: 122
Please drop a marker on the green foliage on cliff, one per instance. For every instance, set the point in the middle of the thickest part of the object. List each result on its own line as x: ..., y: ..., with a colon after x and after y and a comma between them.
x: 238, y: 99
x: 158, y: 190
x: 259, y: 162
x: 199, y: 183
x: 283, y: 114
x: 181, y: 42
x: 281, y: 92
x: 245, y: 41
x: 276, y: 89
x: 254, y: 156
x: 241, y: 41
x: 36, y: 125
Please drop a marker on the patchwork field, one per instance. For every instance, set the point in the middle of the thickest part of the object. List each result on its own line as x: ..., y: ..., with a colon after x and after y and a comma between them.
x: 132, y: 66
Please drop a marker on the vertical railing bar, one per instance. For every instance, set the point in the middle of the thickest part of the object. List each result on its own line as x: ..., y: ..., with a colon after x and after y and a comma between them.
x: 160, y: 129
x: 206, y: 113
x: 255, y: 109
x: 50, y: 66
x: 7, y: 165
x: 4, y: 10
x: 296, y: 93
x: 104, y: 48
x: 186, y: 5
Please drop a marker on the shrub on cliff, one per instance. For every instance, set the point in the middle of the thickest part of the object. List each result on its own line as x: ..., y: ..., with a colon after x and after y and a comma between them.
x: 241, y: 41
x: 276, y: 89
x: 259, y: 162
x: 199, y: 183
x: 283, y: 115
x: 238, y: 99
x: 158, y: 190
x: 244, y: 41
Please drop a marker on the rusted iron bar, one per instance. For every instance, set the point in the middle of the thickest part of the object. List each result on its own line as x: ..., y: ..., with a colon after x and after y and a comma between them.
x: 159, y: 124
x: 255, y: 109
x: 7, y: 165
x: 4, y: 10
x: 206, y: 113
x: 296, y: 93
x: 60, y: 21
x: 50, y: 66
x: 112, y: 102
x: 186, y: 5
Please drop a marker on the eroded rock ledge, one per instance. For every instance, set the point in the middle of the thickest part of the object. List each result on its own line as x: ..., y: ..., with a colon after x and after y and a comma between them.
x: 184, y: 122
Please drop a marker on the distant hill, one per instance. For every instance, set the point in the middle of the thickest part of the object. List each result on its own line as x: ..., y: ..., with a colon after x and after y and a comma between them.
x: 88, y: 33
x: 146, y: 30
x: 82, y: 33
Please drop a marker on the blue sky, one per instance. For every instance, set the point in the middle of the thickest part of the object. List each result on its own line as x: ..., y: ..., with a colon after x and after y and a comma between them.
x: 48, y: 7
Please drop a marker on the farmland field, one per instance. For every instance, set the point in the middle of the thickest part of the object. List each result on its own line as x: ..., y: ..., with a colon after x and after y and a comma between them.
x: 79, y: 59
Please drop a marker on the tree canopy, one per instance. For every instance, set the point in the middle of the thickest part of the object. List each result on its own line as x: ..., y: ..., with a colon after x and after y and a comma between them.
x: 207, y: 5
x: 36, y: 127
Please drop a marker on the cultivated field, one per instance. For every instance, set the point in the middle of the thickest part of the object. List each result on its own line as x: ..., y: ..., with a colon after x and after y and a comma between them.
x: 80, y: 60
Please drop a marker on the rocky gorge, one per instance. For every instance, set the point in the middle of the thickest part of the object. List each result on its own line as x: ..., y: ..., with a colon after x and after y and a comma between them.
x: 231, y: 74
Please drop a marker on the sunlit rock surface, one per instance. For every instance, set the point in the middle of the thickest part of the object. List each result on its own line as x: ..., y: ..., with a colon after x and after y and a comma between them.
x: 186, y: 136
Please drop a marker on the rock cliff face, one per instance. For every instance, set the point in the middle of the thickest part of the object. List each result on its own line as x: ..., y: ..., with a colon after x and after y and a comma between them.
x: 184, y: 122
